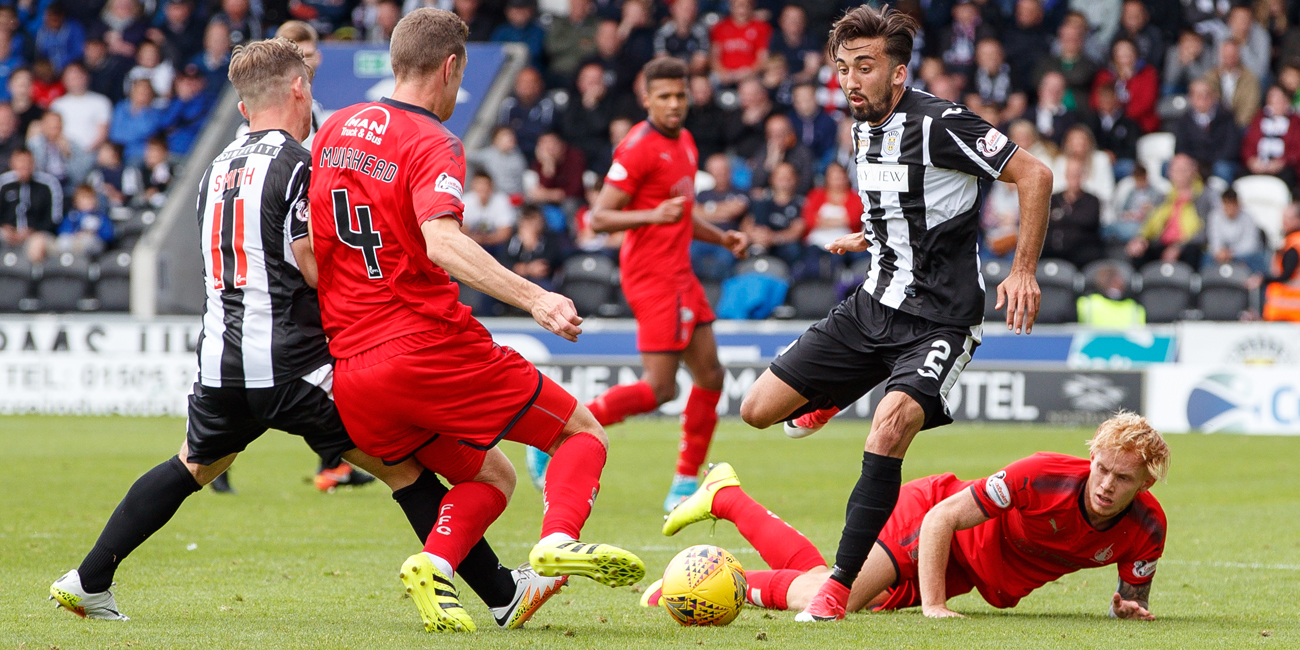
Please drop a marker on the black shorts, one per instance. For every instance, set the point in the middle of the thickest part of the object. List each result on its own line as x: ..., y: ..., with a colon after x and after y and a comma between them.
x: 863, y: 343
x: 223, y: 421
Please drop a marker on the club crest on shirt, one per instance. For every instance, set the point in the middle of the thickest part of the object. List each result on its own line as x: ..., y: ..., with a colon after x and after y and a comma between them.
x: 1144, y: 569
x: 302, y: 211
x: 890, y: 148
x: 448, y: 185
x: 1104, y: 554
x: 991, y: 143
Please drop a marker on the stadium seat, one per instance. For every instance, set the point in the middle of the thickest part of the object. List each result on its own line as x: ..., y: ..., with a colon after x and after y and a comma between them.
x: 994, y: 273
x: 1167, y: 289
x: 765, y: 265
x: 1264, y: 198
x: 1057, y: 279
x: 1090, y: 274
x: 63, y: 282
x: 1224, y: 294
x: 589, y: 281
x: 1153, y: 151
x: 813, y: 298
x: 113, y: 288
x: 15, y: 280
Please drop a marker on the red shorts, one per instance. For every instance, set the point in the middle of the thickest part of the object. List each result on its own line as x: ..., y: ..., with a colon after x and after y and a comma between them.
x: 446, y: 400
x: 901, y: 536
x: 666, y: 316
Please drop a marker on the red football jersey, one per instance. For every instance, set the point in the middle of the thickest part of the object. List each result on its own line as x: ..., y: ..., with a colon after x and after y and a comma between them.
x: 379, y: 170
x: 653, y: 168
x: 739, y: 45
x: 1040, y: 532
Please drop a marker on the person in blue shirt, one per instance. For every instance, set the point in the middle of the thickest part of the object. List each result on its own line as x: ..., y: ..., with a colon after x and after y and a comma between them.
x: 185, y: 115
x: 214, y: 60
x: 59, y: 39
x: 812, y: 126
x: 11, y: 59
x: 85, y: 229
x: 135, y: 120
x: 521, y: 27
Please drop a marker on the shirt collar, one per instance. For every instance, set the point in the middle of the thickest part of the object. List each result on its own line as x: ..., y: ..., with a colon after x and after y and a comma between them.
x: 410, y: 108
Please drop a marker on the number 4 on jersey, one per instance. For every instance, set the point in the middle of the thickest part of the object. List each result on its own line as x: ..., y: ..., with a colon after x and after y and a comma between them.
x: 364, y: 238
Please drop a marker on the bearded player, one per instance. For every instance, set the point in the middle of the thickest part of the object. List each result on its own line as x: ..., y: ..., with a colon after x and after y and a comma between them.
x: 923, y: 164
x: 417, y: 376
x: 1005, y: 535
x: 649, y: 192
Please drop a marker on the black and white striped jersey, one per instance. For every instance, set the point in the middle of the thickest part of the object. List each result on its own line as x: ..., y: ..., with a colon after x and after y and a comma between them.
x: 261, y: 321
x: 922, y: 176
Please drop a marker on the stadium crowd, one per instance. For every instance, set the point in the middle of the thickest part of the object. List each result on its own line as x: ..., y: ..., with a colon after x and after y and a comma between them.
x: 102, y: 96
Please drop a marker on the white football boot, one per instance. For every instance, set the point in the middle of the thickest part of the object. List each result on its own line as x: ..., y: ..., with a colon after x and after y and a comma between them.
x: 531, y: 592
x: 69, y: 594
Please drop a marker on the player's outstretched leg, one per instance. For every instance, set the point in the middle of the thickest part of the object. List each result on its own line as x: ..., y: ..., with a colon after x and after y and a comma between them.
x: 622, y: 401
x: 578, y: 456
x: 328, y: 478
x: 809, y: 423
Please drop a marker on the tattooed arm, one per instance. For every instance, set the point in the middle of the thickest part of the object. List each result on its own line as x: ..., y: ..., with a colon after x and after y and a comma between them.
x: 1130, y: 601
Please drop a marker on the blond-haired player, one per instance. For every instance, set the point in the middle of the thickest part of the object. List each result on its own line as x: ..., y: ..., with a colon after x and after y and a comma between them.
x: 1005, y: 535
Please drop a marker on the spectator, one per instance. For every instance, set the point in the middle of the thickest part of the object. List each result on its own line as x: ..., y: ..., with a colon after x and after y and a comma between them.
x: 20, y: 98
x: 618, y: 129
x: 775, y: 77
x: 814, y: 128
x: 1136, y: 84
x: 1135, y: 25
x: 122, y: 26
x: 956, y: 45
x: 740, y: 44
x: 706, y: 121
x: 157, y: 175
x: 184, y: 117
x: 387, y: 14
x: 571, y: 39
x: 324, y: 16
x: 991, y: 76
x: 1000, y: 222
x: 181, y: 31
x: 237, y: 16
x: 56, y: 155
x: 1236, y: 84
x: 609, y: 56
x: 793, y: 43
x: 783, y: 146
x: 636, y: 36
x: 502, y: 161
x: 46, y: 86
x: 150, y: 65
x: 1025, y: 41
x: 532, y: 252
x: 585, y: 123
x: 559, y: 170
x: 1184, y: 62
x: 1098, y: 176
x: 11, y: 60
x: 588, y: 240
x: 843, y: 153
x: 85, y: 113
x: 1207, y: 133
x: 135, y: 120
x: 215, y: 59
x: 521, y: 27
x: 723, y: 206
x: 1254, y: 47
x: 31, y: 206
x: 113, y: 179
x: 1108, y: 308
x: 1026, y: 136
x: 527, y: 112
x: 1173, y: 230
x: 1050, y: 115
x: 107, y: 71
x: 1115, y: 132
x: 489, y: 216
x: 1074, y: 230
x: 1282, y: 290
x: 480, y: 24
x: 1102, y: 19
x: 684, y: 36
x: 1272, y: 143
x: 1070, y: 61
x: 86, y: 230
x: 1132, y: 208
x: 10, y: 138
x: 831, y: 211
x: 60, y: 40
x: 744, y: 127
x: 1233, y: 236
x: 775, y: 224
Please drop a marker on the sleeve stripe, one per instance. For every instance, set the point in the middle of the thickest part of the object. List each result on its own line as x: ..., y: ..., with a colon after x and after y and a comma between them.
x: 1010, y: 153
x: 975, y: 493
x: 288, y: 188
x: 439, y: 215
x: 972, y: 155
x: 925, y: 140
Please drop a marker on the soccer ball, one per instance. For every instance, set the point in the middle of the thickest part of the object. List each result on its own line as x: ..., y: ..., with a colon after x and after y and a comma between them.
x: 704, y: 585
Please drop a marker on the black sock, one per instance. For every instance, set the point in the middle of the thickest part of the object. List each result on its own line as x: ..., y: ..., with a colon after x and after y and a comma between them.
x: 481, y: 569
x: 147, y: 506
x: 870, y: 505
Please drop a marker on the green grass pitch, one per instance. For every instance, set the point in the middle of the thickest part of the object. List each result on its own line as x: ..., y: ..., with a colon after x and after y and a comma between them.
x: 281, y: 566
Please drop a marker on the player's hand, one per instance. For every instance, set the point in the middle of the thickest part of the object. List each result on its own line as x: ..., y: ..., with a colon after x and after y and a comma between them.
x: 1130, y: 609
x: 737, y: 242
x: 939, y: 611
x: 557, y: 314
x: 669, y: 211
x: 851, y: 243
x: 1020, y: 295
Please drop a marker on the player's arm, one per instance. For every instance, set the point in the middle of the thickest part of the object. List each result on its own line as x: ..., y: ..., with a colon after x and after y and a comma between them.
x: 734, y: 240
x: 1019, y: 292
x: 457, y: 254
x: 1131, y: 601
x: 306, y: 258
x: 958, y: 512
x: 608, y: 214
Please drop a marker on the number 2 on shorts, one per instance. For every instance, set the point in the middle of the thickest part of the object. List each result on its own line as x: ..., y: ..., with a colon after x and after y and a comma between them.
x: 933, y: 361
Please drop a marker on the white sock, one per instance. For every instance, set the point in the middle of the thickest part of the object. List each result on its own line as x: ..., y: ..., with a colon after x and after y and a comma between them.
x: 556, y: 538
x: 443, y: 565
x: 678, y: 478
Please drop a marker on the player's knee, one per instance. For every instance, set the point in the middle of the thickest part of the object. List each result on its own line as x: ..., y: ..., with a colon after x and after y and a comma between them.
x: 752, y: 412
x: 498, y: 473
x: 711, y: 378
x: 581, y: 422
x: 665, y: 391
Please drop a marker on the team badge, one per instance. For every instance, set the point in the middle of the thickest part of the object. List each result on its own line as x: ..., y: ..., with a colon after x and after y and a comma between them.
x: 890, y: 148
x: 448, y: 185
x: 991, y: 143
x: 1144, y: 569
x: 996, y: 488
x: 302, y: 211
x: 617, y: 172
x: 1104, y: 554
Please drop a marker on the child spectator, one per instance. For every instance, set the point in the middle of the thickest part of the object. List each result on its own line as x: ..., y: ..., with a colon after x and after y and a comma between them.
x: 157, y: 171
x: 135, y: 120
x: 489, y: 215
x: 111, y: 178
x: 1234, y: 237
x: 503, y: 162
x: 86, y: 229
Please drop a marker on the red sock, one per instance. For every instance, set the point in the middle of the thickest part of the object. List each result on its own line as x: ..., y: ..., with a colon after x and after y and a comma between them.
x: 779, y: 544
x: 698, y: 422
x: 572, y: 481
x: 621, y: 401
x: 467, y: 511
x: 769, y: 588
